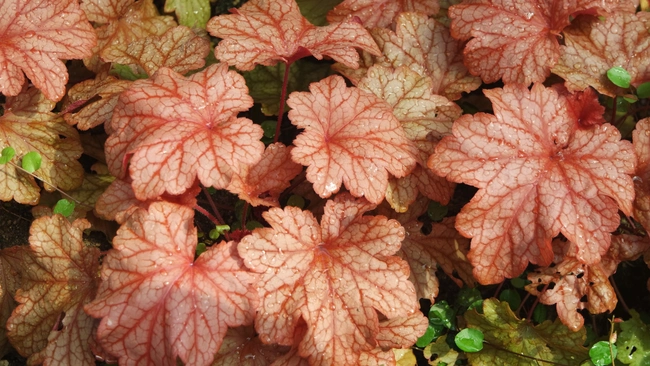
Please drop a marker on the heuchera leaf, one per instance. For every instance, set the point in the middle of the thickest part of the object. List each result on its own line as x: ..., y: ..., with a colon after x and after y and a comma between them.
x: 191, y: 13
x: 262, y: 183
x: 380, y: 14
x: 177, y: 129
x: 34, y: 36
x: 515, y: 40
x: 242, y: 347
x: 634, y: 341
x: 552, y: 342
x: 59, y: 277
x: 264, y: 32
x: 425, y: 117
x: 538, y: 174
x: 641, y: 138
x: 333, y: 275
x: 579, y: 286
x: 157, y: 303
x: 349, y: 136
x: 593, y: 46
x: 28, y: 125
x: 10, y: 273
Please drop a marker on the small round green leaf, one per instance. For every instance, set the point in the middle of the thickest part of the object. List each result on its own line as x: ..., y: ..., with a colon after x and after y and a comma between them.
x: 252, y: 225
x: 619, y: 76
x: 441, y: 314
x: 436, y: 211
x: 519, y: 282
x: 540, y: 314
x: 427, y: 337
x: 643, y: 91
x: 31, y: 161
x: 64, y: 207
x: 469, y: 340
x: 296, y: 201
x: 269, y: 128
x: 512, y: 297
x: 600, y: 353
x: 200, y: 248
x: 6, y: 155
x: 218, y: 230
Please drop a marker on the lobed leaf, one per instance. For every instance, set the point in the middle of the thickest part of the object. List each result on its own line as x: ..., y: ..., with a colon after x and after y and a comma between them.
x: 264, y: 32
x: 382, y: 13
x: 331, y: 275
x: 641, y: 138
x: 35, y: 36
x: 190, y: 13
x: 10, y: 274
x: 350, y: 137
x: 538, y: 174
x: 157, y: 303
x: 242, y: 347
x: 59, y: 276
x: 177, y: 129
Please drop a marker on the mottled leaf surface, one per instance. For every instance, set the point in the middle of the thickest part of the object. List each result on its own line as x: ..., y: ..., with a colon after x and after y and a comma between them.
x: 28, y: 125
x: 177, y: 129
x: 190, y: 13
x: 242, y: 347
x: 264, y: 32
x: 641, y: 138
x: 380, y: 13
x: 10, y: 269
x: 334, y: 275
x: 59, y: 277
x: 350, y: 136
x: 158, y: 303
x: 539, y: 173
x: 34, y: 37
x: 515, y: 40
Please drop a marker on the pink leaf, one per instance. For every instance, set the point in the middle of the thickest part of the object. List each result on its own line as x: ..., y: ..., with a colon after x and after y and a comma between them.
x: 333, y: 275
x: 380, y: 13
x: 349, y: 136
x: 264, y: 32
x: 34, y: 36
x: 157, y: 303
x: 641, y: 138
x: 538, y: 174
x: 177, y: 129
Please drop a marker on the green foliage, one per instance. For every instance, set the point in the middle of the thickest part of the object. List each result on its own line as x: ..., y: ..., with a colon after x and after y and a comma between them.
x: 619, y: 76
x: 126, y: 72
x: 296, y: 201
x: 7, y: 154
x: 64, y: 207
x: 634, y: 341
x: 191, y: 13
x: 643, y: 91
x: 316, y: 10
x: 436, y: 211
x: 31, y: 161
x: 601, y: 354
x: 469, y: 340
x: 218, y: 230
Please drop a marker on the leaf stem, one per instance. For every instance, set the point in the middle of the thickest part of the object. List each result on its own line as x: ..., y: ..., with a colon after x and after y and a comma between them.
x: 213, y: 206
x: 212, y: 218
x: 618, y: 294
x: 283, y: 97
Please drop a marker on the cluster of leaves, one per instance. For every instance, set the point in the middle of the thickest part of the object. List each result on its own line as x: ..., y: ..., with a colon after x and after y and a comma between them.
x: 341, y: 220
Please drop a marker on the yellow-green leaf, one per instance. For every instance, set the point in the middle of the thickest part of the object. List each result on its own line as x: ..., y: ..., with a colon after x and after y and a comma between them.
x: 191, y: 13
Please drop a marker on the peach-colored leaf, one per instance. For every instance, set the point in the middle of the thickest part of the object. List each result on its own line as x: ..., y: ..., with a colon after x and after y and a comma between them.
x: 118, y: 201
x: 59, y: 277
x: 425, y: 117
x: 401, y: 332
x: 593, y: 46
x: 515, y: 40
x: 262, y: 183
x: 443, y: 247
x: 380, y: 13
x: 641, y: 138
x: 11, y: 259
x: 179, y: 49
x: 242, y: 347
x: 264, y: 32
x: 350, y: 136
x: 335, y: 275
x: 426, y: 46
x: 34, y: 37
x: 157, y: 303
x: 28, y: 125
x: 122, y: 22
x: 176, y: 129
x: 539, y: 173
x: 579, y: 286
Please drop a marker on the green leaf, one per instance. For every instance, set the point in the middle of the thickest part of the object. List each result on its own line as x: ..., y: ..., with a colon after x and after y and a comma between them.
x: 469, y: 298
x: 125, y: 72
x: 600, y: 353
x: 218, y: 230
x: 643, y: 91
x: 469, y: 340
x: 442, y: 314
x: 508, y: 338
x: 619, y: 76
x: 31, y: 161
x: 634, y: 341
x: 316, y: 10
x: 269, y: 128
x: 436, y: 211
x: 252, y: 225
x: 200, y: 248
x: 191, y: 13
x: 428, y: 336
x: 441, y: 349
x: 540, y: 314
x: 512, y: 297
x: 7, y: 154
x: 296, y: 201
x: 64, y: 207
x: 519, y: 282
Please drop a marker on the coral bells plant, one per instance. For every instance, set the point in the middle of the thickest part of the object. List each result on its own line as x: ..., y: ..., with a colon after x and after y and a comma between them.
x: 323, y: 182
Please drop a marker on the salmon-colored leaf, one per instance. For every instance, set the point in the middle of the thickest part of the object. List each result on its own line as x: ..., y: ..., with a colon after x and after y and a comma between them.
x: 425, y: 45
x: 335, y: 275
x: 579, y: 286
x: 515, y: 40
x: 262, y: 183
x: 242, y: 347
x: 264, y: 32
x: 382, y: 13
x: 34, y: 37
x: 401, y: 332
x: 641, y: 138
x: 10, y: 273
x: 593, y: 46
x: 350, y: 136
x: 176, y: 129
x: 157, y: 303
x: 28, y: 125
x: 539, y: 173
x: 59, y: 277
